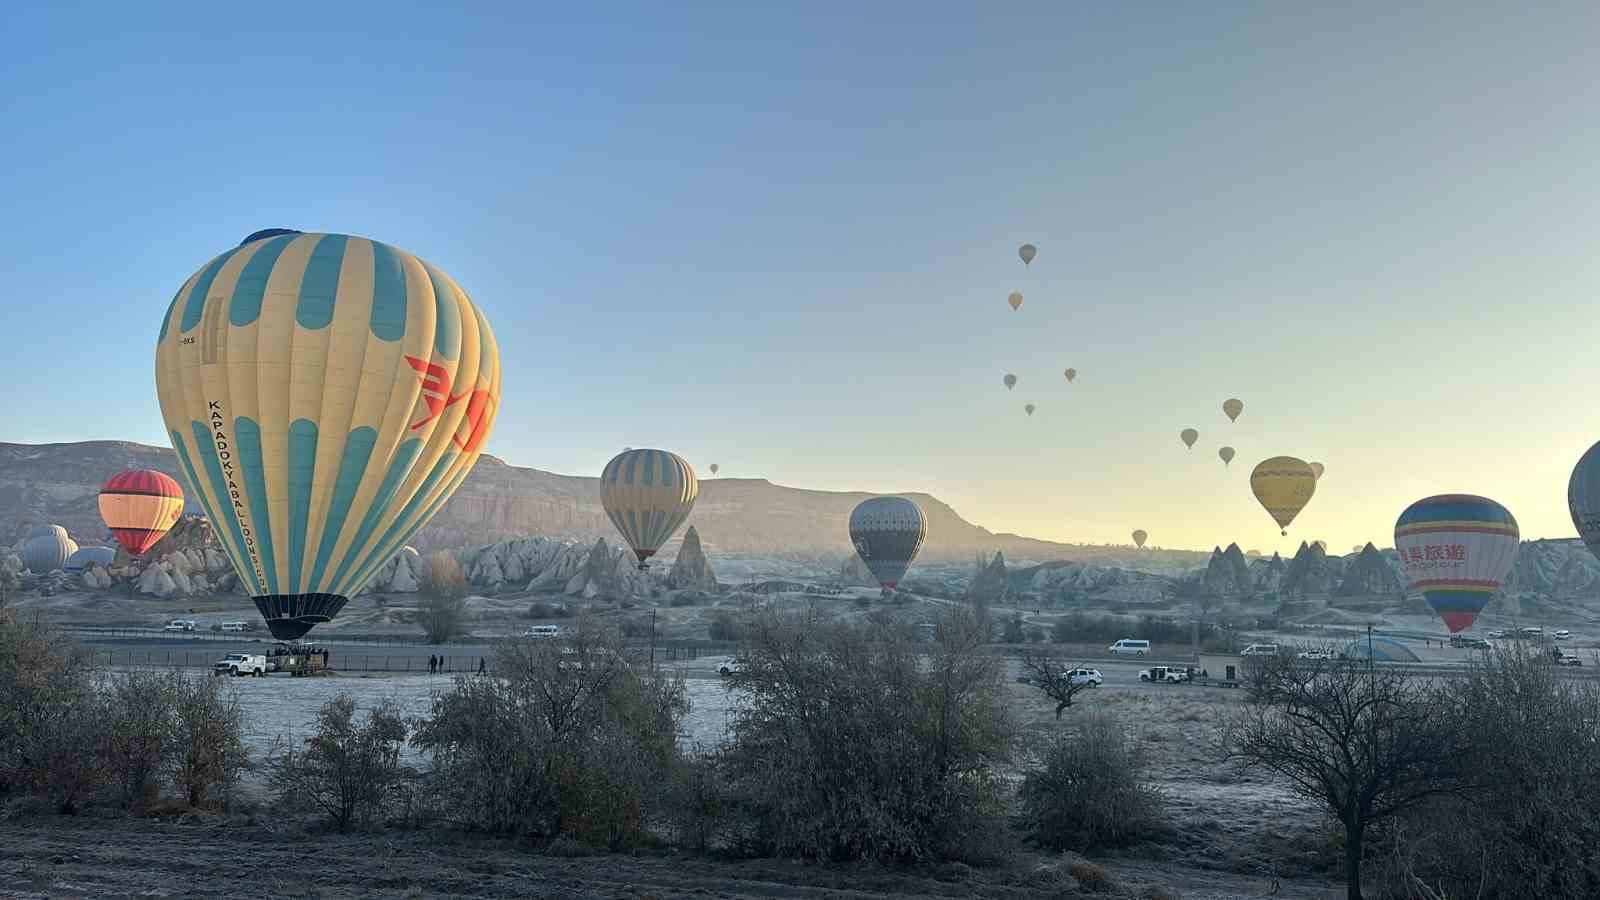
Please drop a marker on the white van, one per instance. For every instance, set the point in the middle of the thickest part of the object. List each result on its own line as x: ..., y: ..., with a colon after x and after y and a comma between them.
x: 543, y: 631
x: 233, y: 626
x: 1129, y: 647
x: 1260, y: 650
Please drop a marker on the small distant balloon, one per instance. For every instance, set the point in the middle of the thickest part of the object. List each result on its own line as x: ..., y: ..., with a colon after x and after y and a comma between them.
x: 1189, y: 436
x: 1232, y: 408
x: 1139, y: 537
x: 1227, y: 455
x: 1071, y: 374
x: 1015, y: 300
x: 1283, y: 486
x: 1029, y: 408
x: 1027, y: 252
x: 714, y: 468
x: 1010, y: 380
x: 1316, y: 468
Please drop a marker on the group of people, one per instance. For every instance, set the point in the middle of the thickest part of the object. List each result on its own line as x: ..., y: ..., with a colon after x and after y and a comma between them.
x: 437, y: 664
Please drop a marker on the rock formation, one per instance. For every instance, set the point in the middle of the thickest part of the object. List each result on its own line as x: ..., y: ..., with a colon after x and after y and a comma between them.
x: 1370, y: 574
x: 992, y: 584
x: 1228, y: 573
x: 1311, y: 572
x: 691, y: 570
x: 1266, y: 575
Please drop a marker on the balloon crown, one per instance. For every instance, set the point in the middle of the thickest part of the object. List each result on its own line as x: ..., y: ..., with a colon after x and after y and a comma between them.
x: 265, y: 233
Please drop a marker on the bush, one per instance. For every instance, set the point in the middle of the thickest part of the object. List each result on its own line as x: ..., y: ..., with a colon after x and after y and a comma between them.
x: 1092, y: 878
x: 851, y: 745
x: 137, y: 739
x: 443, y: 613
x: 1091, y: 792
x: 351, y: 772
x: 50, y: 714
x: 207, y: 739
x: 722, y: 627
x: 540, y: 610
x: 568, y: 738
x: 636, y: 628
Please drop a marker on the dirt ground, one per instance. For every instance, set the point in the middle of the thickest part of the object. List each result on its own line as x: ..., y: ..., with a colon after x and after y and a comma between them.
x: 128, y: 858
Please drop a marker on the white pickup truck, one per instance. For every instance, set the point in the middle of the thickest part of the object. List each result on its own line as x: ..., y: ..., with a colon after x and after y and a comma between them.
x: 241, y: 664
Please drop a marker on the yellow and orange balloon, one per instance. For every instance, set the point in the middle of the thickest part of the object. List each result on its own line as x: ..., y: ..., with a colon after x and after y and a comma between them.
x: 140, y: 506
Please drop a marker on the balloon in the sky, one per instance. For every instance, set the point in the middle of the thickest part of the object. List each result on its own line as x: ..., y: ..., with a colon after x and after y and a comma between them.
x: 140, y: 506
x: 887, y: 533
x: 1317, y: 469
x: 1232, y: 408
x: 1139, y: 537
x: 1583, y: 498
x: 1071, y: 374
x: 1456, y: 549
x: 1010, y: 380
x: 1028, y: 408
x: 1027, y: 252
x: 1283, y: 485
x: 325, y: 394
x: 647, y: 494
x: 714, y: 468
x: 47, y: 552
x: 1227, y: 455
x: 1189, y: 436
x: 1015, y: 300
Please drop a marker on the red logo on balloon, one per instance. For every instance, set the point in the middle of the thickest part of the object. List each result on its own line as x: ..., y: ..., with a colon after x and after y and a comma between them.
x: 436, y: 397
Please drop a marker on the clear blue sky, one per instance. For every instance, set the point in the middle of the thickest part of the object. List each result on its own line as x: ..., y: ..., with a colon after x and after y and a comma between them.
x: 782, y: 241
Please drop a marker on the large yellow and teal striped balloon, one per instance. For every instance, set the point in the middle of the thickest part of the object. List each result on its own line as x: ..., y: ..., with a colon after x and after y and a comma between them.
x: 648, y: 494
x: 325, y: 395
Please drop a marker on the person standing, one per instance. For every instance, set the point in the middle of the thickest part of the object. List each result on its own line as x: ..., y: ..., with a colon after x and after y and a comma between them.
x: 433, y: 664
x: 481, y: 667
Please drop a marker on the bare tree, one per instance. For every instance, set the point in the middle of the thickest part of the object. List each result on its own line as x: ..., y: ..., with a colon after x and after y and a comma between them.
x: 443, y: 591
x: 208, y: 747
x: 10, y: 579
x: 1367, y: 742
x: 350, y: 770
x: 1053, y: 677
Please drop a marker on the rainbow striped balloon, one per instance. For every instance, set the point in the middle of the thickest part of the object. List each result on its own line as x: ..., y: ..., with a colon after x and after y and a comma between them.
x: 1456, y: 549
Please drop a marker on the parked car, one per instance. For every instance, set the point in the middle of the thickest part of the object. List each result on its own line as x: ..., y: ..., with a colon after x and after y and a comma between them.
x: 1497, y: 634
x: 1531, y: 631
x: 1164, y: 675
x: 241, y: 664
x: 1476, y: 644
x: 1563, y: 634
x: 1129, y: 647
x: 543, y: 631
x: 234, y: 627
x: 1260, y: 650
x: 1568, y: 659
x: 179, y: 625
x: 1086, y: 676
x: 730, y: 665
x: 1318, y: 653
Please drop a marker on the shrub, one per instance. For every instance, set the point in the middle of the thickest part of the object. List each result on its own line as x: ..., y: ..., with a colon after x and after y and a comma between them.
x: 541, y: 610
x: 1091, y: 791
x: 50, y: 713
x: 849, y: 744
x: 722, y: 627
x: 568, y: 738
x: 1092, y: 878
x: 636, y: 628
x: 137, y: 739
x: 350, y: 771
x: 207, y: 738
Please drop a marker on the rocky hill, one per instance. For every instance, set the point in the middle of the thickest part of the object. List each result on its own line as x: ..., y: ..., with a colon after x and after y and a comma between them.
x: 498, y: 502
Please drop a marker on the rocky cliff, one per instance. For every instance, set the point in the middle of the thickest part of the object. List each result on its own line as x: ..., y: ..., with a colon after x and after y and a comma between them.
x: 691, y: 571
x: 1370, y: 573
x: 1312, y: 571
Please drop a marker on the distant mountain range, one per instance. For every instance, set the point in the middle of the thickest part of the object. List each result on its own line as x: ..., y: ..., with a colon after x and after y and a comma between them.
x: 57, y: 483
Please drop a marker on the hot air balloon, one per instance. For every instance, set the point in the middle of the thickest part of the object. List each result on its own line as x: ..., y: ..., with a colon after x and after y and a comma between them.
x: 1028, y: 408
x: 1227, y: 455
x: 1317, y: 469
x: 47, y: 552
x: 714, y: 468
x: 1015, y: 300
x: 42, y: 530
x: 140, y: 506
x: 1583, y: 498
x: 1071, y: 374
x: 1189, y: 436
x: 1232, y: 408
x: 1456, y: 549
x: 1010, y: 381
x: 1283, y: 485
x: 887, y: 533
x: 647, y: 494
x: 84, y: 557
x: 1027, y: 252
x: 325, y: 394
x: 1139, y: 537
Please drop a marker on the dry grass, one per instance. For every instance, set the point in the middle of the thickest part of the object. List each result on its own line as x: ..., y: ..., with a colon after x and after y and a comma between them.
x: 1092, y: 878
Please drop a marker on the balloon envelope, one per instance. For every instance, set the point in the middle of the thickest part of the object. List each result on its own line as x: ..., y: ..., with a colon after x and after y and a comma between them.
x: 1071, y: 374
x: 714, y: 468
x: 1456, y: 549
x: 1232, y: 408
x: 1583, y: 498
x: 1189, y: 436
x: 84, y: 557
x: 1015, y: 300
x: 325, y: 394
x: 1010, y: 381
x: 1028, y: 408
x: 1227, y: 455
x: 647, y: 494
x: 48, y: 552
x: 887, y: 533
x: 1283, y: 486
x: 140, y: 506
x: 1027, y: 252
x: 1317, y: 469
x: 1139, y: 537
